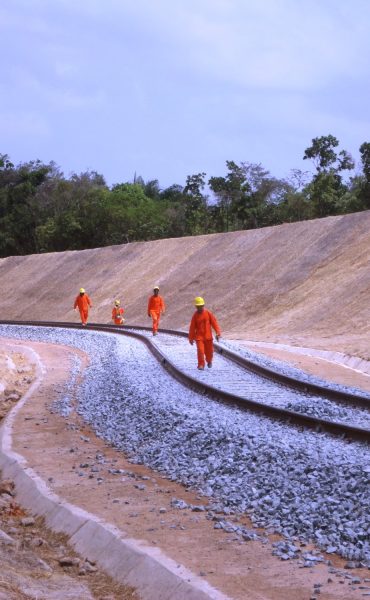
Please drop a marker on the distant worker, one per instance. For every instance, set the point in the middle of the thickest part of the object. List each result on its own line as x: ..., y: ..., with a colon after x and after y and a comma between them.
x: 201, y: 331
x: 117, y: 313
x: 83, y: 303
x: 156, y: 307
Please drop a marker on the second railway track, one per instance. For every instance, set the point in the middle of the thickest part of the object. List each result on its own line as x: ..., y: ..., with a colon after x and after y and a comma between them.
x: 236, y: 380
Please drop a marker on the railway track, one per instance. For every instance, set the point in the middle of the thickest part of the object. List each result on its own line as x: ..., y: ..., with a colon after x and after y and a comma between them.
x: 239, y: 381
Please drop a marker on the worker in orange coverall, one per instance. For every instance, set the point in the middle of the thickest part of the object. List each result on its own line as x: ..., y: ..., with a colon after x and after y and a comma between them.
x: 117, y: 313
x: 201, y: 331
x: 156, y: 307
x: 83, y: 303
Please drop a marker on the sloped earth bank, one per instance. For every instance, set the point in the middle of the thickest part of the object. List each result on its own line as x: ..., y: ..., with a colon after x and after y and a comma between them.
x: 85, y: 471
x: 35, y: 562
x: 304, y: 284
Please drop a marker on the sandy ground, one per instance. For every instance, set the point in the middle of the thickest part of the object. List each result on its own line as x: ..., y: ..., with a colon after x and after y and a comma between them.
x: 139, y: 503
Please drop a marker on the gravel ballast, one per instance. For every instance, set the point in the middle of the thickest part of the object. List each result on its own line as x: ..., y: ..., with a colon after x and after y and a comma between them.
x: 289, y: 370
x: 302, y: 484
x: 229, y: 377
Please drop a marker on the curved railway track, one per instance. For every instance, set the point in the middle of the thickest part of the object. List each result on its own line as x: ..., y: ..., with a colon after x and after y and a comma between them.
x: 235, y: 379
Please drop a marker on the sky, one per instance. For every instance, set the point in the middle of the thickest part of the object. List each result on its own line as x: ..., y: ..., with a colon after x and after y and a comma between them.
x: 169, y: 88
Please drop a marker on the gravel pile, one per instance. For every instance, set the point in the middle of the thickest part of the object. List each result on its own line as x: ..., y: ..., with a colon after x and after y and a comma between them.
x: 304, y: 485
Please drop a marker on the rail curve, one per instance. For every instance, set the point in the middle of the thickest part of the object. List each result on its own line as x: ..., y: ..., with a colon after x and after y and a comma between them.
x: 203, y: 387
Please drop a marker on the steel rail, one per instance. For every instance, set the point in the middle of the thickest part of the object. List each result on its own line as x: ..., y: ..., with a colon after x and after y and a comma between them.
x: 269, y: 373
x: 291, y: 417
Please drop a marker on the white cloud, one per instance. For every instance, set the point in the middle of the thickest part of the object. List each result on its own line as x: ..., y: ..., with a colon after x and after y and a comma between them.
x: 53, y: 96
x: 293, y: 49
x: 279, y: 44
x: 65, y: 69
x: 23, y: 124
x: 11, y: 19
x: 273, y: 43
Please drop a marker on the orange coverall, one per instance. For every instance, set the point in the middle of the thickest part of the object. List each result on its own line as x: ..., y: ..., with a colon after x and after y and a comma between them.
x: 155, y: 308
x: 117, y: 315
x: 83, y: 303
x: 201, y: 331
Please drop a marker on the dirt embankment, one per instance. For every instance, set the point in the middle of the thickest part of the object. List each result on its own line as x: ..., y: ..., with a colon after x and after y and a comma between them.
x: 305, y: 283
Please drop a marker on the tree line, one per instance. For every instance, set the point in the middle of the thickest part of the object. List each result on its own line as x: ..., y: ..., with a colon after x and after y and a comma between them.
x: 42, y: 211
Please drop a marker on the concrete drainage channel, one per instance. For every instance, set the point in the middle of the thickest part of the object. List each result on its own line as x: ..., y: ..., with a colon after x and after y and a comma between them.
x: 127, y: 560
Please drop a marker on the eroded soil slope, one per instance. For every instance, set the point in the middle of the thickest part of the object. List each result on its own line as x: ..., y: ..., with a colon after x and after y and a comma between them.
x: 306, y: 282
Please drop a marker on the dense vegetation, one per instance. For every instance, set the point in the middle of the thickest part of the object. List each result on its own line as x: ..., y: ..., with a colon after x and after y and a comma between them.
x: 42, y: 211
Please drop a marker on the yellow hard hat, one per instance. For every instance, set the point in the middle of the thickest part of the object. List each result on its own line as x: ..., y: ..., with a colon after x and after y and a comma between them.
x: 82, y: 291
x: 199, y: 301
x: 156, y: 287
x: 117, y: 302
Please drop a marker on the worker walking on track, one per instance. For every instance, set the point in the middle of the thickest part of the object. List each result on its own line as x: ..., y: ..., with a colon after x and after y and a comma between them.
x: 83, y: 303
x: 117, y: 313
x: 200, y: 330
x: 156, y: 307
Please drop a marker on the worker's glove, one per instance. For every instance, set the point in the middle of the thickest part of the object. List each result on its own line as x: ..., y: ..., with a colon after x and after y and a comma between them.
x: 218, y: 338
x: 191, y: 342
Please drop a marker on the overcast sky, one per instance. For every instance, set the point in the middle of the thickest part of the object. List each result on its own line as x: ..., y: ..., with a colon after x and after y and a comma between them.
x: 168, y: 88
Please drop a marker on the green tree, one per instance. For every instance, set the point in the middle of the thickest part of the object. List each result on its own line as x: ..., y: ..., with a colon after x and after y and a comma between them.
x: 72, y: 210
x: 364, y: 192
x: 195, y: 205
x: 325, y: 158
x: 324, y: 193
x: 327, y: 188
x: 232, y: 193
x: 5, y: 166
x: 133, y: 216
x: 19, y: 210
x: 247, y: 196
x: 173, y: 202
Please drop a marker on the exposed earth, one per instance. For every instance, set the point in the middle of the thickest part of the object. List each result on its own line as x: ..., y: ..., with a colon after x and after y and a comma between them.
x: 35, y: 562
x: 304, y: 284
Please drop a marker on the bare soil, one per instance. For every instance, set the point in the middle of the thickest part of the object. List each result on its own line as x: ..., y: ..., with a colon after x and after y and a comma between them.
x: 303, y: 283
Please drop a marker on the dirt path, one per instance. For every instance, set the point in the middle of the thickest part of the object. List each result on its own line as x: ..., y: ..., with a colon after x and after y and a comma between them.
x: 35, y: 562
x: 83, y: 470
